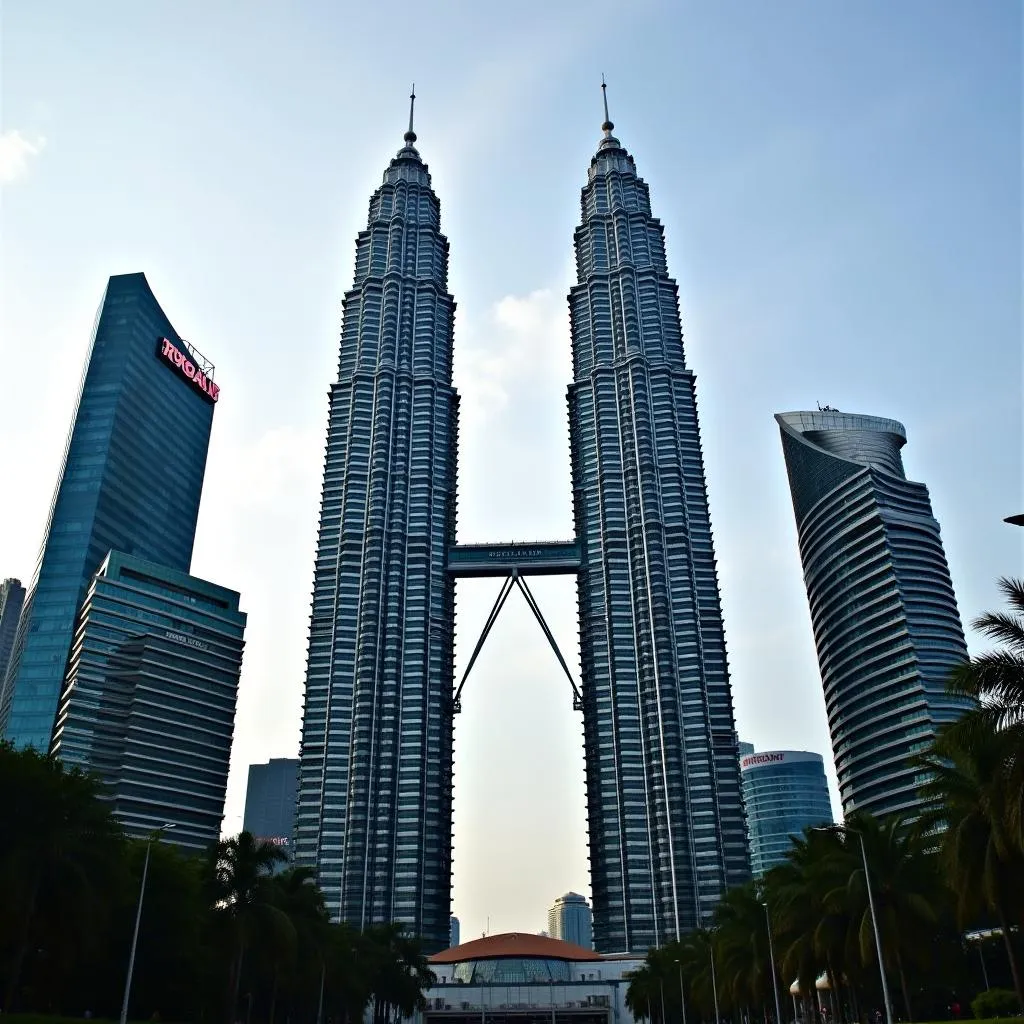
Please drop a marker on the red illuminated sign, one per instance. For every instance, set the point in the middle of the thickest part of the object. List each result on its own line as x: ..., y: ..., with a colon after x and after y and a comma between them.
x: 752, y: 759
x: 170, y: 352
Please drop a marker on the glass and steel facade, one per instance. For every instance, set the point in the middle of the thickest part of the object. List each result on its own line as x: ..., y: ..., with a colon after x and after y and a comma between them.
x: 270, y: 801
x: 130, y: 481
x: 375, y: 780
x: 784, y: 792
x: 882, y: 605
x: 149, y: 700
x: 512, y: 970
x: 12, y: 597
x: 667, y: 833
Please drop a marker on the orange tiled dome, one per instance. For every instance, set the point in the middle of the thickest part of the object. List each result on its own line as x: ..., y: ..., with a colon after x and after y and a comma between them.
x: 518, y: 944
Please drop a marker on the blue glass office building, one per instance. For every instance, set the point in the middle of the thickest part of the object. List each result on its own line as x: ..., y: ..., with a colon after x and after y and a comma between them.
x: 667, y: 832
x: 882, y: 605
x: 149, y: 699
x: 270, y: 801
x: 131, y: 481
x: 784, y: 792
x: 375, y: 781
x: 12, y: 598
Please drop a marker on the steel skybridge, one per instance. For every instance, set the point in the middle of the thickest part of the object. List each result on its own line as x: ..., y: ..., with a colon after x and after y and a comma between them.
x: 515, y: 561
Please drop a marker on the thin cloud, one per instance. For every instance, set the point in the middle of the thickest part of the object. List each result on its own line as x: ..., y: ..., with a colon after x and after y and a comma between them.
x: 16, y: 154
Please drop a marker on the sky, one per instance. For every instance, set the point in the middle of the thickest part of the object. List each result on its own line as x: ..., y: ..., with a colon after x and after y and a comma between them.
x: 840, y: 186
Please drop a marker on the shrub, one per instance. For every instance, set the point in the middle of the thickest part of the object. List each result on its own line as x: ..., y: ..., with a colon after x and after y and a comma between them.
x: 996, y: 1002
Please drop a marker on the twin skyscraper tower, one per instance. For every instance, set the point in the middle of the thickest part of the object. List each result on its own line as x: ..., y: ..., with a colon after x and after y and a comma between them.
x: 666, y: 825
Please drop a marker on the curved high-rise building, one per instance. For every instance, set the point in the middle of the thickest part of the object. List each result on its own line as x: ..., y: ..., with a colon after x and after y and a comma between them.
x: 882, y: 605
x: 374, y: 803
x: 784, y: 792
x: 665, y: 812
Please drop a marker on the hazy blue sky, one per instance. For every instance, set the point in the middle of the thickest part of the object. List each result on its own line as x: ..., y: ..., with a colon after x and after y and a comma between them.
x: 840, y: 185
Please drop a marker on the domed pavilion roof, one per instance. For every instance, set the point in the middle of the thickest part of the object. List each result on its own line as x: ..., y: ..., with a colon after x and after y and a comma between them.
x: 515, y: 944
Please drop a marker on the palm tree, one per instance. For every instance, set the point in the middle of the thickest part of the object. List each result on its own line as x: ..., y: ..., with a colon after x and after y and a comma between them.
x: 244, y: 899
x: 741, y: 947
x: 968, y: 794
x: 996, y: 680
x: 906, y: 886
x: 797, y: 891
x: 294, y: 892
x: 653, y: 990
x: 399, y: 971
x: 641, y: 994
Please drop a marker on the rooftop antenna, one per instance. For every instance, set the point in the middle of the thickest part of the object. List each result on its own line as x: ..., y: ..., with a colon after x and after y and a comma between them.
x: 607, y: 126
x: 410, y: 135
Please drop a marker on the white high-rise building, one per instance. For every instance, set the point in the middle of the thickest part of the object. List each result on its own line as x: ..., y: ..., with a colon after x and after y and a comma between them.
x: 569, y: 920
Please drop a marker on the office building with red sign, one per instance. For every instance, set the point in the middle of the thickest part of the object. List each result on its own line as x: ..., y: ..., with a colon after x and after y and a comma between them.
x: 131, y: 480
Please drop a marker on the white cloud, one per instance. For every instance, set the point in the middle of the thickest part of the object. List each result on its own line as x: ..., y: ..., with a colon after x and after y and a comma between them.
x: 521, y: 345
x: 16, y: 153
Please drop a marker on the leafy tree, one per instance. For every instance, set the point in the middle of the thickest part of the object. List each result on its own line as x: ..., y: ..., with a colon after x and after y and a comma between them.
x: 69, y: 889
x: 57, y: 858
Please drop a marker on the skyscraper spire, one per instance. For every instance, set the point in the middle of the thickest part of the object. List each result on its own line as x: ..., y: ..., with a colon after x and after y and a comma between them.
x: 607, y: 126
x: 410, y: 135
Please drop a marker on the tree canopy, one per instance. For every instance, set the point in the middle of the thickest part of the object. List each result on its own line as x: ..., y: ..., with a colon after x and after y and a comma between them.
x: 943, y: 882
x: 233, y: 935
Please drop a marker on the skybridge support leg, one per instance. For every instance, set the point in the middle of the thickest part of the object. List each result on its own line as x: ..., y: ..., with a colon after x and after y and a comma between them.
x: 515, y: 580
x: 506, y: 589
x: 577, y: 699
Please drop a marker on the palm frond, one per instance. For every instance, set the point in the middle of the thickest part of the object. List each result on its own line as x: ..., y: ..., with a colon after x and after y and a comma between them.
x: 1004, y: 627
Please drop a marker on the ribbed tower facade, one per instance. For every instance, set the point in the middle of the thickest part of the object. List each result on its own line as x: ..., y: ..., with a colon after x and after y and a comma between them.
x: 667, y: 833
x: 882, y: 605
x: 374, y: 801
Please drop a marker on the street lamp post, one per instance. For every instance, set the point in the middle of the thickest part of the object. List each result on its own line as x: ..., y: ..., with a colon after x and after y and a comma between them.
x: 711, y: 948
x: 714, y: 983
x: 874, y: 916
x: 682, y: 996
x: 874, y: 925
x: 984, y: 969
x: 771, y: 958
x: 320, y: 1003
x: 661, y: 981
x: 155, y: 834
